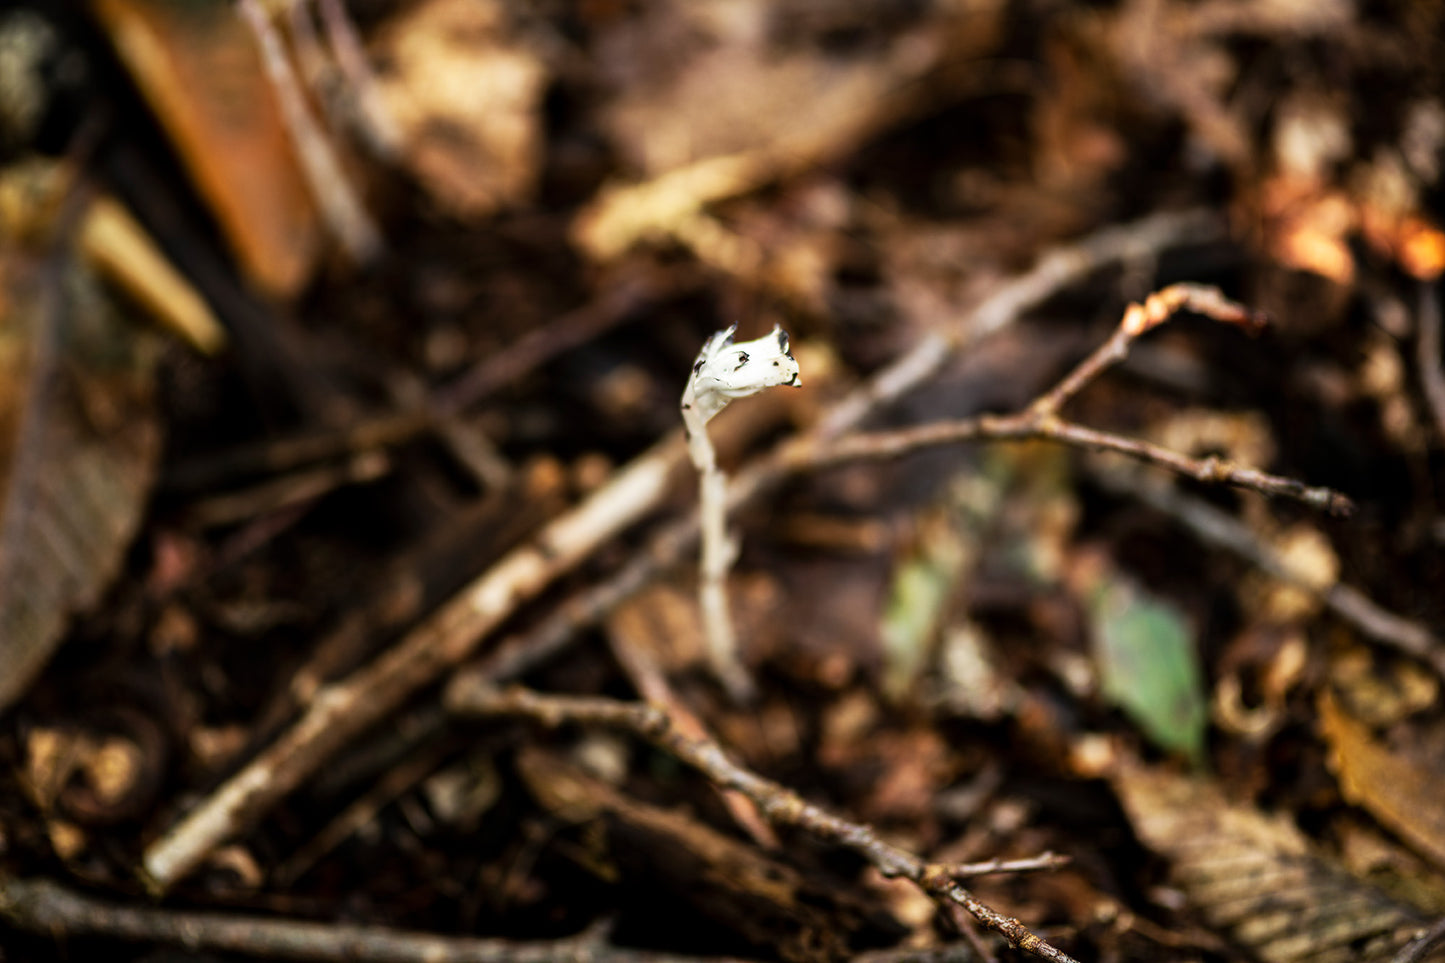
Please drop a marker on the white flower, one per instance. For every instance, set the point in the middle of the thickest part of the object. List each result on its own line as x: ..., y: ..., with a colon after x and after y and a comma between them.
x: 724, y: 371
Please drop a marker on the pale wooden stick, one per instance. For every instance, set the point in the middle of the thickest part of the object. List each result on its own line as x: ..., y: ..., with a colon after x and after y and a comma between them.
x: 341, y: 711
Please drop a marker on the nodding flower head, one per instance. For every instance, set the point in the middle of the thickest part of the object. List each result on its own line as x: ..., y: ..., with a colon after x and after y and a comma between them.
x: 724, y: 370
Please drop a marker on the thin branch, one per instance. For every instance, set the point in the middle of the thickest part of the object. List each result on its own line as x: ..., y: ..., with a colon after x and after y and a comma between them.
x: 1139, y: 319
x: 48, y: 909
x: 1043, y: 861
x: 372, y: 115
x: 343, y: 710
x: 1417, y: 949
x: 1041, y: 419
x: 621, y: 302
x: 1428, y: 354
x: 779, y: 804
x: 338, y: 201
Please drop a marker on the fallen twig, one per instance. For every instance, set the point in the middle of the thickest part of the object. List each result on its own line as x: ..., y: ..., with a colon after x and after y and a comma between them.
x: 49, y: 909
x: 1418, y: 949
x: 498, y: 369
x: 778, y: 803
x: 373, y: 119
x: 1427, y: 348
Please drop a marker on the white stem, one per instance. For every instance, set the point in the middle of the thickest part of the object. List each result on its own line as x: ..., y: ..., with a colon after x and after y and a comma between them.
x: 724, y: 371
x: 719, y: 550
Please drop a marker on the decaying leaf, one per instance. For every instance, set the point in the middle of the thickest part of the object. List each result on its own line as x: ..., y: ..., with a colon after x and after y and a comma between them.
x: 467, y: 101
x: 1402, y: 794
x: 79, y: 440
x: 198, y: 68
x: 1147, y: 665
x: 1257, y: 878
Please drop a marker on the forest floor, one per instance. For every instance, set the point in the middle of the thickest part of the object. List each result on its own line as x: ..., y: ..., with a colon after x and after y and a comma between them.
x: 1089, y: 598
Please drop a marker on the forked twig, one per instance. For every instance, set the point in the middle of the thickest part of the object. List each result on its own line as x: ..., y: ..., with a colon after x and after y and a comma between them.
x: 778, y: 803
x: 1041, y: 419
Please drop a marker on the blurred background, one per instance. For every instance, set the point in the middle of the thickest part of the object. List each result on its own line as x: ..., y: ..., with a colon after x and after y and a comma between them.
x: 313, y: 310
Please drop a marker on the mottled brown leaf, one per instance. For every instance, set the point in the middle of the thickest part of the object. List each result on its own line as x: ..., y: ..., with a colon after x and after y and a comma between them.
x: 79, y: 440
x: 1399, y: 792
x: 1257, y: 878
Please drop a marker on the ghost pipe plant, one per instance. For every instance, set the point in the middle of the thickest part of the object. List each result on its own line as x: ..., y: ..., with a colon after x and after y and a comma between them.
x: 724, y: 371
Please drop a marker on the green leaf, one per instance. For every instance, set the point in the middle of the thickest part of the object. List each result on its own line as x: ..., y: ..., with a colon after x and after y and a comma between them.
x: 1144, y: 651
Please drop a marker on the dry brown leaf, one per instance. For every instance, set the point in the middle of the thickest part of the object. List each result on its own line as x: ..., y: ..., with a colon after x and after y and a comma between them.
x: 79, y: 440
x: 467, y: 101
x: 1400, y: 793
x: 1257, y: 878
x: 198, y: 68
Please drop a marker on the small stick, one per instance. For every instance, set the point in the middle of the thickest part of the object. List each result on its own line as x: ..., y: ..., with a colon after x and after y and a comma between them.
x: 333, y: 192
x: 1419, y: 948
x: 48, y: 909
x: 372, y: 115
x: 1027, y: 865
x: 343, y: 710
x: 778, y: 803
x: 1427, y: 349
x: 723, y: 372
